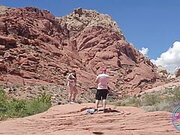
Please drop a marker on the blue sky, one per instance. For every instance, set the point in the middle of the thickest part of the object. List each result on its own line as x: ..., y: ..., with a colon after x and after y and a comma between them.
x: 152, y: 24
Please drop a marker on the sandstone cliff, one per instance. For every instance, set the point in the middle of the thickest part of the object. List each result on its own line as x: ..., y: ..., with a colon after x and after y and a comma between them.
x: 38, y: 48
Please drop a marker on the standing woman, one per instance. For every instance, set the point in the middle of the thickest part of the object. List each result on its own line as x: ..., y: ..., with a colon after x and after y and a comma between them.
x: 71, y: 79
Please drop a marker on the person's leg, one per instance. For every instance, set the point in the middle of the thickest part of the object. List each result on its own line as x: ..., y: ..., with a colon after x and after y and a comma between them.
x: 70, y: 94
x: 96, y: 105
x: 98, y: 98
x: 75, y: 92
x: 104, y: 96
x: 104, y: 104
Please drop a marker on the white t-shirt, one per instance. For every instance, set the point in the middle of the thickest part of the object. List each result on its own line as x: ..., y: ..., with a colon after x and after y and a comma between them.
x: 103, y: 80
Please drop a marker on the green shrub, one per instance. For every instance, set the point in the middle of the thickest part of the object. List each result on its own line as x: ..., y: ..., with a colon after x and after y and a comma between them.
x: 21, y: 108
x: 150, y: 99
x: 176, y: 93
x: 132, y: 101
x: 3, y: 102
x: 162, y: 106
x: 128, y: 101
x: 15, y: 108
x: 38, y: 105
x: 150, y: 108
x: 163, y: 100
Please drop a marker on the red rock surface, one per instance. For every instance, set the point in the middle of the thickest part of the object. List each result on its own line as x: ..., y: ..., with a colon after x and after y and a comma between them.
x: 37, y: 48
x: 72, y: 120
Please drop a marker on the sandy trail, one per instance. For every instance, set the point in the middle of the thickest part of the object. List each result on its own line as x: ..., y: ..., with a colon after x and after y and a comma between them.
x: 72, y: 119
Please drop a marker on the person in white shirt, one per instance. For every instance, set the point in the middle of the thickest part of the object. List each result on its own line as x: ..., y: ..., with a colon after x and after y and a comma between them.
x: 71, y: 84
x: 102, y: 90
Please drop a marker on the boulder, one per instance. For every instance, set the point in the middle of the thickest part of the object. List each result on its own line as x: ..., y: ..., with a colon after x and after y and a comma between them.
x: 177, y: 72
x: 162, y: 71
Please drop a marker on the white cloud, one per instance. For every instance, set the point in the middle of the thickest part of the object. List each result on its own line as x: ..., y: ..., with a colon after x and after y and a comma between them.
x: 144, y: 51
x: 170, y: 59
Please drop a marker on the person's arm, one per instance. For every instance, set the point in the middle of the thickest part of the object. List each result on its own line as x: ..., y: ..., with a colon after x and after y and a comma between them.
x: 75, y: 80
x: 97, y: 80
x: 109, y: 89
x: 69, y: 78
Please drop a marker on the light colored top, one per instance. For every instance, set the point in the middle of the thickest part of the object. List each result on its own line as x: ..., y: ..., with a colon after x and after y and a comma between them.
x: 102, y: 80
x: 71, y: 80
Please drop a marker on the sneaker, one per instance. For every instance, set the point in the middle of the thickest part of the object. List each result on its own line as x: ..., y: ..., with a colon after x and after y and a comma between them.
x: 71, y: 102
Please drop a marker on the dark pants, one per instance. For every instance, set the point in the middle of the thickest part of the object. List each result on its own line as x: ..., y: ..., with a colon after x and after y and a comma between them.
x: 101, y: 94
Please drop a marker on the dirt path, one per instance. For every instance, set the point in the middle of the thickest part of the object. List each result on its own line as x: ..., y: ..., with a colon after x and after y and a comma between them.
x: 72, y: 120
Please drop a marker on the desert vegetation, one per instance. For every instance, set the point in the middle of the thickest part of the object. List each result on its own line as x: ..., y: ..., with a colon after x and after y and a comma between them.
x: 12, y: 108
x: 163, y: 100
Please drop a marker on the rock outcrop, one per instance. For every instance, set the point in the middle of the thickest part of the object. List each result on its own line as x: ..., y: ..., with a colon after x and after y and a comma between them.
x: 72, y: 120
x: 37, y: 48
x: 3, y: 9
x: 81, y: 19
x: 99, y: 42
x: 177, y: 72
x: 162, y: 72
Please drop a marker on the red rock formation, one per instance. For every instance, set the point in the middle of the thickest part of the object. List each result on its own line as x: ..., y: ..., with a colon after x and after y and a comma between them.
x: 73, y: 120
x: 37, y: 47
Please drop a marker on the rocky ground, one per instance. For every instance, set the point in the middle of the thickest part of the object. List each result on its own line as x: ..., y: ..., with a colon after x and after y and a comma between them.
x: 72, y: 119
x: 59, y: 93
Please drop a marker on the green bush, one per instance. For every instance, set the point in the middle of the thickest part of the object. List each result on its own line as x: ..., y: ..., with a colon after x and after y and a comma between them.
x: 3, y: 104
x: 162, y: 106
x: 21, y: 108
x: 38, y: 105
x: 128, y: 101
x: 150, y: 99
x: 163, y: 100
x: 176, y: 93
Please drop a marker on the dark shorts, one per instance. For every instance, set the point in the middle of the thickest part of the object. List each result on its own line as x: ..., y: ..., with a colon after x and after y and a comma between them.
x: 101, y: 94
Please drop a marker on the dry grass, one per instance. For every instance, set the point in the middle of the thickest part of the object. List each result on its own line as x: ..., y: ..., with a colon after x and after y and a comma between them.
x: 164, y: 100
